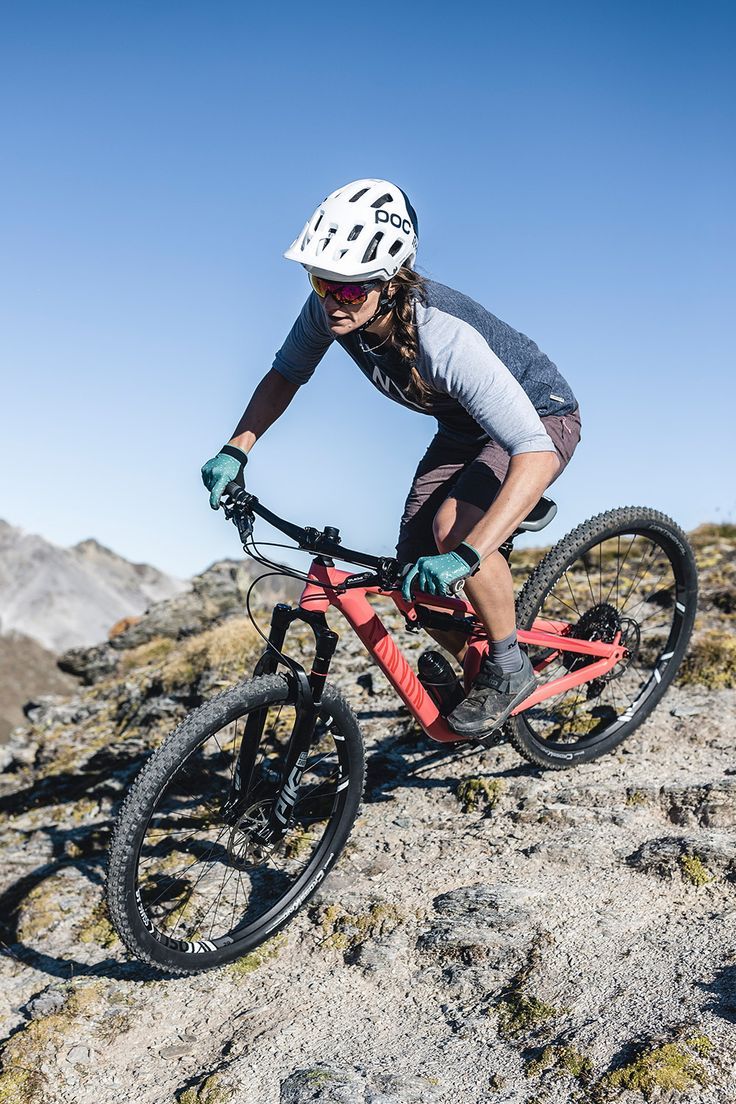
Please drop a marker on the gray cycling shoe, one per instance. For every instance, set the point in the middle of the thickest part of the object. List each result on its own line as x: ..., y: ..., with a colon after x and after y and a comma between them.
x: 492, y: 697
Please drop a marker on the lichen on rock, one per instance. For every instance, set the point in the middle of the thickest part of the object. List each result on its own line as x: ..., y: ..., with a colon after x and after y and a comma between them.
x: 476, y: 794
x: 666, y: 1067
x: 347, y: 931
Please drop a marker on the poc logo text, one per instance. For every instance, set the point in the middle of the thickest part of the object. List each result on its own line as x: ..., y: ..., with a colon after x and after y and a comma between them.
x: 395, y: 220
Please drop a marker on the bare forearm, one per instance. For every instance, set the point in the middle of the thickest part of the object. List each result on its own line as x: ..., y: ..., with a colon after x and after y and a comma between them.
x: 270, y: 399
x: 528, y: 476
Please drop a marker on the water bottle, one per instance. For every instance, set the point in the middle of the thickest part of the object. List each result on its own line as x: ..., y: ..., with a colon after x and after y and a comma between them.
x: 438, y: 678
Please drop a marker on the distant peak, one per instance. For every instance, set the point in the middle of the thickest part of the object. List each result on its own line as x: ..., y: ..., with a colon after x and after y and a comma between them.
x: 92, y: 545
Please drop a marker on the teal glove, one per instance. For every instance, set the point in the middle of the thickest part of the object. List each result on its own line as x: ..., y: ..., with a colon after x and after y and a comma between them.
x: 227, y: 467
x: 438, y: 573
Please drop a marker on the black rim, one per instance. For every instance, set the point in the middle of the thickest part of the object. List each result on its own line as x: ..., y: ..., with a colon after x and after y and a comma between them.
x: 203, y: 884
x: 633, y: 583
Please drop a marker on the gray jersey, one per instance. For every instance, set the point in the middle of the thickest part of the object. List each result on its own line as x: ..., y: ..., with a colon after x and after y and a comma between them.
x: 489, y: 380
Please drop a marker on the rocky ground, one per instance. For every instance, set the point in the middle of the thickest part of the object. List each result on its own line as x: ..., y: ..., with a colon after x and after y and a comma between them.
x: 492, y: 933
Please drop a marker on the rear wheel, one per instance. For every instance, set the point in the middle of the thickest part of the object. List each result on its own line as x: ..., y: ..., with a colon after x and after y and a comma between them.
x: 629, y: 571
x: 191, y: 886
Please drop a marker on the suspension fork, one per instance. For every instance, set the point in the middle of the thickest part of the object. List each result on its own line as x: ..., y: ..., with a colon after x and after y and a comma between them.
x: 308, y: 696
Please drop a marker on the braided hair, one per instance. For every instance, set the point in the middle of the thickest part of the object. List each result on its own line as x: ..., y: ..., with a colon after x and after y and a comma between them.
x: 407, y: 287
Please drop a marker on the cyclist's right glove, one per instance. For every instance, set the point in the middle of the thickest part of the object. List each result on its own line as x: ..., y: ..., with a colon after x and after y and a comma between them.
x: 227, y: 467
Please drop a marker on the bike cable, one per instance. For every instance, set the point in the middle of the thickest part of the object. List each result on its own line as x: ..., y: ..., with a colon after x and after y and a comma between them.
x: 252, y: 548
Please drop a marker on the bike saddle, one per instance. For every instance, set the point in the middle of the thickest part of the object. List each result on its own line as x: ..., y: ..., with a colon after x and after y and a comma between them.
x: 539, y: 516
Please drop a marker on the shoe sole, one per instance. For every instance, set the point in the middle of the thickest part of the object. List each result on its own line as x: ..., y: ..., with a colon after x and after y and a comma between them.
x: 478, y: 733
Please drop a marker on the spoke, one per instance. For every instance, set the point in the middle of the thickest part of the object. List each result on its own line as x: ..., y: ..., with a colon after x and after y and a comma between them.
x: 572, y: 593
x: 654, y: 588
x: 194, y: 863
x: 587, y: 576
x: 659, y: 625
x: 176, y: 875
x: 573, y: 609
x: 653, y: 548
x: 216, y: 902
x: 620, y: 565
x: 644, y: 599
x: 236, y: 752
x: 186, y: 827
x: 180, y: 843
x: 235, y: 904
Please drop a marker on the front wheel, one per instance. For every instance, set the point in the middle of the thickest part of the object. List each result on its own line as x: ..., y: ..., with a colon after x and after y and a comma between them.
x: 190, y: 885
x: 631, y: 572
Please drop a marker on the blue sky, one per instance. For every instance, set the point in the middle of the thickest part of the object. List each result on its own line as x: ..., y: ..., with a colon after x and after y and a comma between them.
x: 572, y: 166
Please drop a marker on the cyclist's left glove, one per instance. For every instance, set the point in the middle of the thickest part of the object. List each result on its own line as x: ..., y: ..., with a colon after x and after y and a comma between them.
x: 227, y: 467
x: 437, y: 574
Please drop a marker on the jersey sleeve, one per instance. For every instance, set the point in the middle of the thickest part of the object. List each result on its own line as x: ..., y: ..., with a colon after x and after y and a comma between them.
x: 305, y: 345
x: 458, y: 360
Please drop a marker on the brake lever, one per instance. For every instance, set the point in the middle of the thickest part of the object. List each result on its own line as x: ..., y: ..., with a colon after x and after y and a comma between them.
x: 236, y: 507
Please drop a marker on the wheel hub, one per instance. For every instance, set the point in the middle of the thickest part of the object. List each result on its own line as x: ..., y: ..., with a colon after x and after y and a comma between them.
x: 603, y: 622
x: 600, y: 622
x: 248, y: 844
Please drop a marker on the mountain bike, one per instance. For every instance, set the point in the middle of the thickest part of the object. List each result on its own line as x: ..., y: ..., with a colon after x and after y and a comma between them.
x: 238, y: 817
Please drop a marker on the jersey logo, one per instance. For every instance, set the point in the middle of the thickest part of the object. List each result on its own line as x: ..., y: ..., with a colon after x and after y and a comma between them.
x: 383, y: 381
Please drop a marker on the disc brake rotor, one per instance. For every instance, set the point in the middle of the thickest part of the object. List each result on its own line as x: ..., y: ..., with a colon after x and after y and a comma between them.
x: 245, y: 846
x: 600, y: 622
x: 603, y: 622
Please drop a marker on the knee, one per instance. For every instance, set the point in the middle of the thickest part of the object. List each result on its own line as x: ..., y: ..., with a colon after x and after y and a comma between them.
x: 445, y: 532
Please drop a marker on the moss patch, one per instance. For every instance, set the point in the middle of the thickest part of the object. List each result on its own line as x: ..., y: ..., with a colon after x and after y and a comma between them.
x: 711, y: 662
x: 210, y: 1091
x: 98, y: 929
x: 265, y: 953
x: 694, y: 870
x: 701, y: 1044
x: 666, y: 1067
x: 347, y: 931
x: 21, y: 1086
x: 41, y: 911
x: 476, y: 794
x: 20, y: 1056
x: 299, y: 842
x: 519, y: 1013
x: 318, y: 1078
x: 562, y: 1059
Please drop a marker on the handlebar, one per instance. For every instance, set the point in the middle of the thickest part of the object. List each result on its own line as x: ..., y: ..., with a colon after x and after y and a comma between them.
x: 241, y: 507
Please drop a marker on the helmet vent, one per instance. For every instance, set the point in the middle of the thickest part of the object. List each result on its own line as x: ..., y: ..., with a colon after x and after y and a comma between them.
x: 358, y: 195
x: 386, y: 198
x: 395, y: 247
x: 354, y: 233
x: 324, y: 242
x: 370, y: 253
x: 316, y: 225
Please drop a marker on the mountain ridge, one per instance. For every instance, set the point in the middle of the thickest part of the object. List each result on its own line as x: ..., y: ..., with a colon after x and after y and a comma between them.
x: 65, y: 597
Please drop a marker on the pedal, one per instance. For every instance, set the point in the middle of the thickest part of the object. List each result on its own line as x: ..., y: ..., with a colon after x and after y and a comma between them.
x: 494, y: 739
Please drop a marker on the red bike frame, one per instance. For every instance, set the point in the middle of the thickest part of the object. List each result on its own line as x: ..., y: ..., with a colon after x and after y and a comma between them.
x: 318, y: 594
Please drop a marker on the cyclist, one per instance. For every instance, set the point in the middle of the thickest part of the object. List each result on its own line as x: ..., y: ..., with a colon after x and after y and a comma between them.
x: 508, y: 422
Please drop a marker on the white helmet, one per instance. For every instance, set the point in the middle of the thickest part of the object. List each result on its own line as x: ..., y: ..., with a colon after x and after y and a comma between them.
x: 365, y: 230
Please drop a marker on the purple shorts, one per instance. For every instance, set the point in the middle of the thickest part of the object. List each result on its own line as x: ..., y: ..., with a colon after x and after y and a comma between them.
x: 470, y: 473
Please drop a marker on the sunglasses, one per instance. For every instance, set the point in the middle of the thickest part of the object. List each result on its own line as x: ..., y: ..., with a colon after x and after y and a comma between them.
x: 348, y: 295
